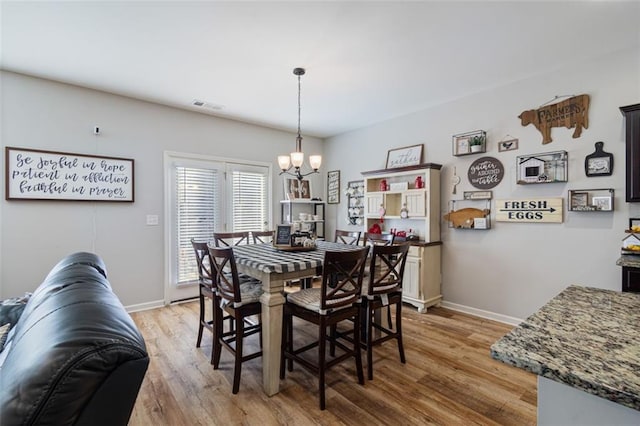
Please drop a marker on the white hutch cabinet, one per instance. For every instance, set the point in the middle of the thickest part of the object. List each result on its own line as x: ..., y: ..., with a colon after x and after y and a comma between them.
x: 395, y: 200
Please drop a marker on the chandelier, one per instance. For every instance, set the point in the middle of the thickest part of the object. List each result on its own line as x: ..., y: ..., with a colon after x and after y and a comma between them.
x: 296, y: 159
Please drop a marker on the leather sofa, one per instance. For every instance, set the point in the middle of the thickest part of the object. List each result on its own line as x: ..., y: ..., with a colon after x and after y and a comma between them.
x: 75, y: 357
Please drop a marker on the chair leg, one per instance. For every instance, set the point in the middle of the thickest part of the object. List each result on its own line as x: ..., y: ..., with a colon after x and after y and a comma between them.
x: 321, y: 362
x: 283, y: 345
x: 200, y: 326
x: 368, y: 341
x: 237, y: 369
x: 218, y: 329
x: 399, y: 331
x: 356, y: 347
x: 290, y: 341
x: 332, y: 339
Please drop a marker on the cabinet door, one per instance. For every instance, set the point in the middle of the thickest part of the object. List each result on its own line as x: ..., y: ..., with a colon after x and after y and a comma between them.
x: 632, y: 130
x: 630, y: 279
x: 372, y: 205
x: 416, y: 203
x: 411, y: 280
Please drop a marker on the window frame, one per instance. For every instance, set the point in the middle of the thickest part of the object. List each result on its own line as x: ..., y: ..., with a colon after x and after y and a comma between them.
x: 174, y: 291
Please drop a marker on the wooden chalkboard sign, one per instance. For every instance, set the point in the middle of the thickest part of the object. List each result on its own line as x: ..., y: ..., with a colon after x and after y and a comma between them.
x: 283, y: 236
x: 32, y: 174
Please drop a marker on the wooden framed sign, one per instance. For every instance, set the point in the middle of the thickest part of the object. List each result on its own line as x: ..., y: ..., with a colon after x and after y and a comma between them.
x: 32, y: 174
x: 535, y: 210
x: 402, y: 157
x: 333, y: 187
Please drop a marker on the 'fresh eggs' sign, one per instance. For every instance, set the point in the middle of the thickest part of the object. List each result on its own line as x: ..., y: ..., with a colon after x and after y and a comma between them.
x: 537, y: 210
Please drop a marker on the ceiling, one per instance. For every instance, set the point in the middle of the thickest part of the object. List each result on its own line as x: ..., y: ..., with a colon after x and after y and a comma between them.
x: 366, y: 61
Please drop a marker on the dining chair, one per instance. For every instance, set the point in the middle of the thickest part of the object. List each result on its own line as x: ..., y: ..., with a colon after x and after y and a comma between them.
x: 383, y: 289
x: 207, y: 291
x: 370, y: 238
x: 325, y: 307
x: 261, y: 237
x: 229, y: 239
x: 347, y: 237
x: 240, y: 301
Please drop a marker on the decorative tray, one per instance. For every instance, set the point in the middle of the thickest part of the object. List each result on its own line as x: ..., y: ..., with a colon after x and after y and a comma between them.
x: 283, y: 248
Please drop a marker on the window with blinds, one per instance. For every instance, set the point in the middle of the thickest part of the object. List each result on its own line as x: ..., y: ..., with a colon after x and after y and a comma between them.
x: 213, y: 197
x: 248, y: 204
x: 197, y: 201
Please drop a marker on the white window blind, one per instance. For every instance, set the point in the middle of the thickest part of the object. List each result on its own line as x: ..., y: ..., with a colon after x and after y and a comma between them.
x: 249, y: 199
x: 197, y: 207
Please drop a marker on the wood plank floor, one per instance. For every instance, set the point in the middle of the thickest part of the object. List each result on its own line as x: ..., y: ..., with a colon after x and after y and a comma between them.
x: 449, y: 379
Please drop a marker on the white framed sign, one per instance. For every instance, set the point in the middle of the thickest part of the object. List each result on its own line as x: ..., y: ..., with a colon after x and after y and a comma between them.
x: 32, y: 174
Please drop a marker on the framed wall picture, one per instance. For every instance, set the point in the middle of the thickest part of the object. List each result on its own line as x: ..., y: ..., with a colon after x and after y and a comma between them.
x: 508, y: 145
x: 333, y: 187
x: 296, y: 189
x: 579, y: 200
x: 33, y: 174
x: 634, y: 224
x: 602, y: 203
x: 291, y: 189
x: 402, y: 157
x: 599, y: 163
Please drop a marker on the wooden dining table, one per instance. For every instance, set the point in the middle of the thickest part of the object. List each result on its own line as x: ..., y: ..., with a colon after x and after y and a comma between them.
x: 274, y: 267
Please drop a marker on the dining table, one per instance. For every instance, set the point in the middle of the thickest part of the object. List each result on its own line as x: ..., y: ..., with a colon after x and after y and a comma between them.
x: 274, y: 266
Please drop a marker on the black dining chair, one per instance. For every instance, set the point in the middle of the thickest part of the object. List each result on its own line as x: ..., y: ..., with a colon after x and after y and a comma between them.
x: 262, y: 237
x: 347, y: 237
x: 207, y: 291
x: 325, y: 307
x: 230, y: 239
x: 371, y: 239
x: 240, y: 301
x: 383, y: 289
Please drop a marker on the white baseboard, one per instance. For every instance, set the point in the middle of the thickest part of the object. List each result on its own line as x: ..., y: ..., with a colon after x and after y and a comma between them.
x: 481, y: 313
x: 144, y: 306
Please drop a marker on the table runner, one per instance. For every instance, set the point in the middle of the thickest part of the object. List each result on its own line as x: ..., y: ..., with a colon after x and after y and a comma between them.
x: 266, y: 258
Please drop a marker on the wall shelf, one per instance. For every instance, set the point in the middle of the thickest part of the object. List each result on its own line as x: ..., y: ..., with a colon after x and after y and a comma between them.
x: 590, y: 200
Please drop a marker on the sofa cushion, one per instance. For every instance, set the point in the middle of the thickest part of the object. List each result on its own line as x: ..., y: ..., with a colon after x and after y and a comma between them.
x: 4, y: 331
x: 11, y: 309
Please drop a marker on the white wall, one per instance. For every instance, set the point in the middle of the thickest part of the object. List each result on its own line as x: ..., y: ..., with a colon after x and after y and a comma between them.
x: 46, y: 115
x: 514, y: 268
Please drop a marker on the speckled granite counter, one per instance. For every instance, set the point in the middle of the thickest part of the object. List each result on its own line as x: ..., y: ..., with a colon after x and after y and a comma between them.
x: 629, y: 260
x: 584, y: 337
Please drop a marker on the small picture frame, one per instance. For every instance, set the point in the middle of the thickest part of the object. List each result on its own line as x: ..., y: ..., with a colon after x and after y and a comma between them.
x: 295, y: 189
x: 579, y: 200
x: 403, y: 157
x: 333, y: 187
x: 508, y: 145
x: 461, y: 146
x: 599, y: 163
x: 634, y: 221
x: 291, y: 189
x: 601, y: 203
x: 477, y: 195
x: 282, y: 236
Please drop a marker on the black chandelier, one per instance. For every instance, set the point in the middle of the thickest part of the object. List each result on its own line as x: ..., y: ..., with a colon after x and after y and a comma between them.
x: 296, y: 159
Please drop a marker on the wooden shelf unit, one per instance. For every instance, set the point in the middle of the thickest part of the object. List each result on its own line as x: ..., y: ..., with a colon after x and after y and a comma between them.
x: 423, y: 278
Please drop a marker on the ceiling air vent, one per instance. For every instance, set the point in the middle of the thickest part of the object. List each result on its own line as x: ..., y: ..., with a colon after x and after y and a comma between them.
x: 206, y: 105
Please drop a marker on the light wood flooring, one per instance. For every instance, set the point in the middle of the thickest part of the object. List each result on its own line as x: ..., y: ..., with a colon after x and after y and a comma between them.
x: 449, y: 379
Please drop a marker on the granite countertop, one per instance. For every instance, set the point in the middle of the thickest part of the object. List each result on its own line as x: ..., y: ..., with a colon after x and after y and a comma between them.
x: 629, y: 260
x: 587, y: 338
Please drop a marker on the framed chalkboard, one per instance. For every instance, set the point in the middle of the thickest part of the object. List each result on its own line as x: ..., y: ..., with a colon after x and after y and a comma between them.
x: 32, y: 174
x: 283, y: 236
x: 333, y: 187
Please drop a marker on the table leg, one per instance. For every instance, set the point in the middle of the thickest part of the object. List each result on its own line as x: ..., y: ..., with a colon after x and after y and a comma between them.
x: 272, y: 301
